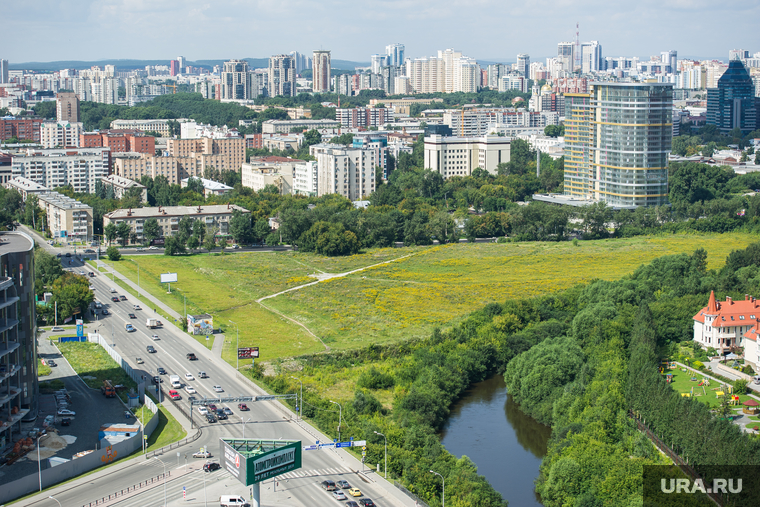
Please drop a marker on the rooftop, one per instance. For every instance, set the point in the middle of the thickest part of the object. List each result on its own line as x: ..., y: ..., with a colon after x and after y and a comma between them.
x: 173, y: 211
x: 209, y: 184
x: 61, y: 201
x: 274, y: 159
x: 120, y: 181
x: 15, y: 242
x: 27, y: 184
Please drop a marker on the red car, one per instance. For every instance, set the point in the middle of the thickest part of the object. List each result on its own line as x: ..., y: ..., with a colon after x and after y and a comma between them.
x: 242, y: 406
x: 174, y: 395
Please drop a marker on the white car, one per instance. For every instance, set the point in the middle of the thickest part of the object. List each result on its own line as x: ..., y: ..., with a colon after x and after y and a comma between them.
x: 155, y: 337
x: 202, y: 410
x: 201, y: 454
x: 137, y: 307
x: 218, y: 389
x: 66, y: 412
x: 57, y: 329
x: 152, y: 248
x: 189, y: 376
x: 190, y: 390
x: 92, y: 287
x: 113, y: 291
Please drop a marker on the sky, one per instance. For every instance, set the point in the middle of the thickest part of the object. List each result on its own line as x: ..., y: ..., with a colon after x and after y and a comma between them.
x: 490, y: 30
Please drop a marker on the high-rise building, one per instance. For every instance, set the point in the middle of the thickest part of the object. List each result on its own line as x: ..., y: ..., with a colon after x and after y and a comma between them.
x: 174, y: 67
x: 670, y: 59
x: 733, y: 103
x: 566, y: 55
x: 321, y: 71
x: 523, y: 65
x: 182, y: 64
x: 236, y: 80
x: 395, y: 54
x: 301, y: 61
x: 4, y: 71
x: 67, y: 107
x: 591, y: 57
x: 282, y: 76
x: 18, y: 335
x: 740, y: 54
x: 377, y: 62
x: 617, y: 141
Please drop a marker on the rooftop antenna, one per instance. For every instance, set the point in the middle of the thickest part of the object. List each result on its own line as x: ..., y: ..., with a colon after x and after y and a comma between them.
x: 577, y: 52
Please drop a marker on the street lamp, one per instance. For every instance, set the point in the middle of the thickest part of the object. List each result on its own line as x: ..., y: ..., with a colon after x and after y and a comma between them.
x: 205, y: 499
x: 54, y: 498
x: 237, y: 344
x: 156, y: 457
x: 386, y: 452
x: 443, y: 493
x: 242, y: 421
x: 340, y: 416
x: 300, y: 405
x: 39, y: 463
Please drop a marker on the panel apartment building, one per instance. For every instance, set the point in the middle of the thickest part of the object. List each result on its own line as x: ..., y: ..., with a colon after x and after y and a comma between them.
x: 214, y: 217
x: 459, y: 156
x: 349, y: 172
x: 79, y: 167
x: 473, y: 122
x: 617, y: 141
x: 60, y: 134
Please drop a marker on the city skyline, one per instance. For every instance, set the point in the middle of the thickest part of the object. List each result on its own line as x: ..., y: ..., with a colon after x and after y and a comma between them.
x: 493, y: 31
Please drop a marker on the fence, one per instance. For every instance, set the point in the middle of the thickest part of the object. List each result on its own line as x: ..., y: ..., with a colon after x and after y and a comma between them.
x: 411, y: 495
x: 130, y: 489
x: 64, y: 339
x: 175, y: 445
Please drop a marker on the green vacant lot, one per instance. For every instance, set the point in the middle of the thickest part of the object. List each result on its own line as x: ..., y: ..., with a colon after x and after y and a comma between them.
x: 427, y: 287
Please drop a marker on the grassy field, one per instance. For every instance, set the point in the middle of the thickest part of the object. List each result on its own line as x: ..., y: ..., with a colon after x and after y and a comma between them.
x: 43, y: 370
x: 682, y: 383
x: 94, y: 365
x: 167, y: 431
x: 427, y: 287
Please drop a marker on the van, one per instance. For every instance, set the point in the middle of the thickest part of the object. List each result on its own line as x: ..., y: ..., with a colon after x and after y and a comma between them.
x: 175, y: 382
x: 233, y: 501
x: 756, y: 379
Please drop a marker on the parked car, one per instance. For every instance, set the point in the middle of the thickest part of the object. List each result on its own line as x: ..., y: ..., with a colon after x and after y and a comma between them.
x: 218, y: 389
x: 174, y: 395
x: 339, y: 495
x: 202, y: 374
x: 354, y: 492
x: 51, y: 363
x: 189, y: 376
x: 202, y: 454
x: 343, y: 484
x: 57, y: 329
x: 243, y: 407
x: 65, y: 421
x: 64, y: 411
x: 211, y: 466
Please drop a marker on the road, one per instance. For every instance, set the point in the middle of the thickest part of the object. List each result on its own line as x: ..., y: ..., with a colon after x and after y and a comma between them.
x: 268, y: 420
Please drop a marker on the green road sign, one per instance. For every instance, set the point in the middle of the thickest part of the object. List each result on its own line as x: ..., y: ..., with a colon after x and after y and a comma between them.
x: 253, y: 460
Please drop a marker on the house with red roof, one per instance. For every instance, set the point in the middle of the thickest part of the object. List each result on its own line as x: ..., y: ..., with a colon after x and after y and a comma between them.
x: 726, y: 324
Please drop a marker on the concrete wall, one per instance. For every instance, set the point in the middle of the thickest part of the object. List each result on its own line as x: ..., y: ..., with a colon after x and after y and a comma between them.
x: 723, y: 369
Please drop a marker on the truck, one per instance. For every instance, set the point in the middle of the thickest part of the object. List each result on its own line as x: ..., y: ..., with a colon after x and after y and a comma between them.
x: 153, y: 323
x: 175, y: 381
x: 107, y: 389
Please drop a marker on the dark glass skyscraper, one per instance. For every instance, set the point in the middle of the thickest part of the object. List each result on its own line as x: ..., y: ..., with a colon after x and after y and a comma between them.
x: 733, y: 104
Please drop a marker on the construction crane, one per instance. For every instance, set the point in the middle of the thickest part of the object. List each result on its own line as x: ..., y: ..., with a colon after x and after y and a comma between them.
x: 172, y: 86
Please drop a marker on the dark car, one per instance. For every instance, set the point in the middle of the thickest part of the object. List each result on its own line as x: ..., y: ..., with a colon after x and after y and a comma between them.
x: 366, y: 502
x: 212, y: 407
x: 220, y: 414
x: 89, y: 250
x: 105, y: 311
x: 132, y: 316
x: 123, y: 297
x: 91, y: 274
x: 150, y: 349
x: 115, y: 299
x: 328, y: 486
x: 210, y: 417
x: 65, y: 421
x: 157, y: 379
x: 191, y: 356
x: 210, y: 467
x: 343, y: 485
x: 68, y: 254
x: 51, y: 363
x: 351, y: 503
x: 161, y: 370
x: 58, y: 255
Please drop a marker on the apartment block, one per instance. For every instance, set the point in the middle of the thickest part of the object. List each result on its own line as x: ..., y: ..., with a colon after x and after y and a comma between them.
x: 60, y: 134
x: 79, y: 167
x: 136, y: 165
x: 287, y: 126
x: 159, y: 126
x: 222, y: 154
x: 26, y: 129
x: 236, y: 80
x: 120, y: 186
x: 67, y: 107
x: 257, y: 177
x: 119, y: 141
x: 349, y: 172
x: 459, y: 156
x: 306, y: 178
x: 474, y: 122
x: 67, y: 218
x: 168, y: 217
x: 365, y: 117
x: 282, y: 76
x: 321, y: 71
x: 617, y: 141
x: 18, y: 336
x: 210, y: 187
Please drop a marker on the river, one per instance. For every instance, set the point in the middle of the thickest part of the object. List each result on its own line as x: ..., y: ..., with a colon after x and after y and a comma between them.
x: 506, y: 445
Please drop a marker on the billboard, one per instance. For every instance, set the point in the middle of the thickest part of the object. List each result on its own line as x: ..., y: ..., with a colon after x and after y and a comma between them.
x: 248, y: 352
x: 251, y: 460
x: 168, y: 277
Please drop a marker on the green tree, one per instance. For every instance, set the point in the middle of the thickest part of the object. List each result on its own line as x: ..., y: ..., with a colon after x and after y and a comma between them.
x: 329, y: 239
x: 122, y: 231
x: 199, y: 230
x: 72, y: 294
x: 312, y: 137
x: 173, y: 246
x: 113, y: 253
x: 260, y: 230
x: 151, y: 230
x: 47, y: 269
x: 240, y: 227
x: 110, y: 232
x: 210, y: 242
x: 193, y: 242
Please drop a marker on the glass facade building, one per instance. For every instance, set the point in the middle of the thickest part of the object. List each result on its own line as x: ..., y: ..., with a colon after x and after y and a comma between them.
x: 617, y: 141
x: 733, y: 103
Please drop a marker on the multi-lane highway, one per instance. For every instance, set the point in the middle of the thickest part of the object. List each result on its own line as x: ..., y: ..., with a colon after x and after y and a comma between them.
x: 265, y: 420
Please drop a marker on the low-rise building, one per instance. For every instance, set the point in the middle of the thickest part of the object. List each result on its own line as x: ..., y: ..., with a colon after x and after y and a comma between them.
x: 287, y: 126
x: 728, y: 324
x: 25, y: 186
x: 159, y: 126
x: 120, y: 186
x: 459, y: 156
x: 66, y: 218
x: 283, y: 143
x: 257, y: 177
x: 210, y: 187
x: 214, y: 217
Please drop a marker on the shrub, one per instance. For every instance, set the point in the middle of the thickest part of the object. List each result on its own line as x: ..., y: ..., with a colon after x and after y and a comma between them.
x: 698, y: 365
x: 374, y: 379
x: 113, y: 253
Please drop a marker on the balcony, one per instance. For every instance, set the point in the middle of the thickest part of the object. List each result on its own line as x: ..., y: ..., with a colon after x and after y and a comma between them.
x: 8, y: 394
x: 13, y: 419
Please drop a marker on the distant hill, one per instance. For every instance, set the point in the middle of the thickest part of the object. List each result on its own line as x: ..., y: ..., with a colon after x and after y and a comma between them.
x: 140, y: 64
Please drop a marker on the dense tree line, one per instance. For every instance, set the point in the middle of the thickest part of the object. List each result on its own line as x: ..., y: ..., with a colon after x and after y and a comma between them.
x: 71, y: 293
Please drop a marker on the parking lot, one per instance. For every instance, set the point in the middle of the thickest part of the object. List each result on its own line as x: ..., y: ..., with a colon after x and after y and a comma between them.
x: 92, y: 410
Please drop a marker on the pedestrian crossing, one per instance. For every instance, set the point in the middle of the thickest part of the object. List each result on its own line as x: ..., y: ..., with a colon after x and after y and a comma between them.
x: 316, y: 472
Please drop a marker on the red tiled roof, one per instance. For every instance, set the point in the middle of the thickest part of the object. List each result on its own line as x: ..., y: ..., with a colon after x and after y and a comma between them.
x: 730, y: 312
x: 753, y: 333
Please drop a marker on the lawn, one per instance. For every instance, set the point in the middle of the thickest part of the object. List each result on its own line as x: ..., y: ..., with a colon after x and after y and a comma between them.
x: 94, y: 365
x: 682, y: 383
x: 425, y: 288
x: 167, y: 431
x: 43, y: 370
